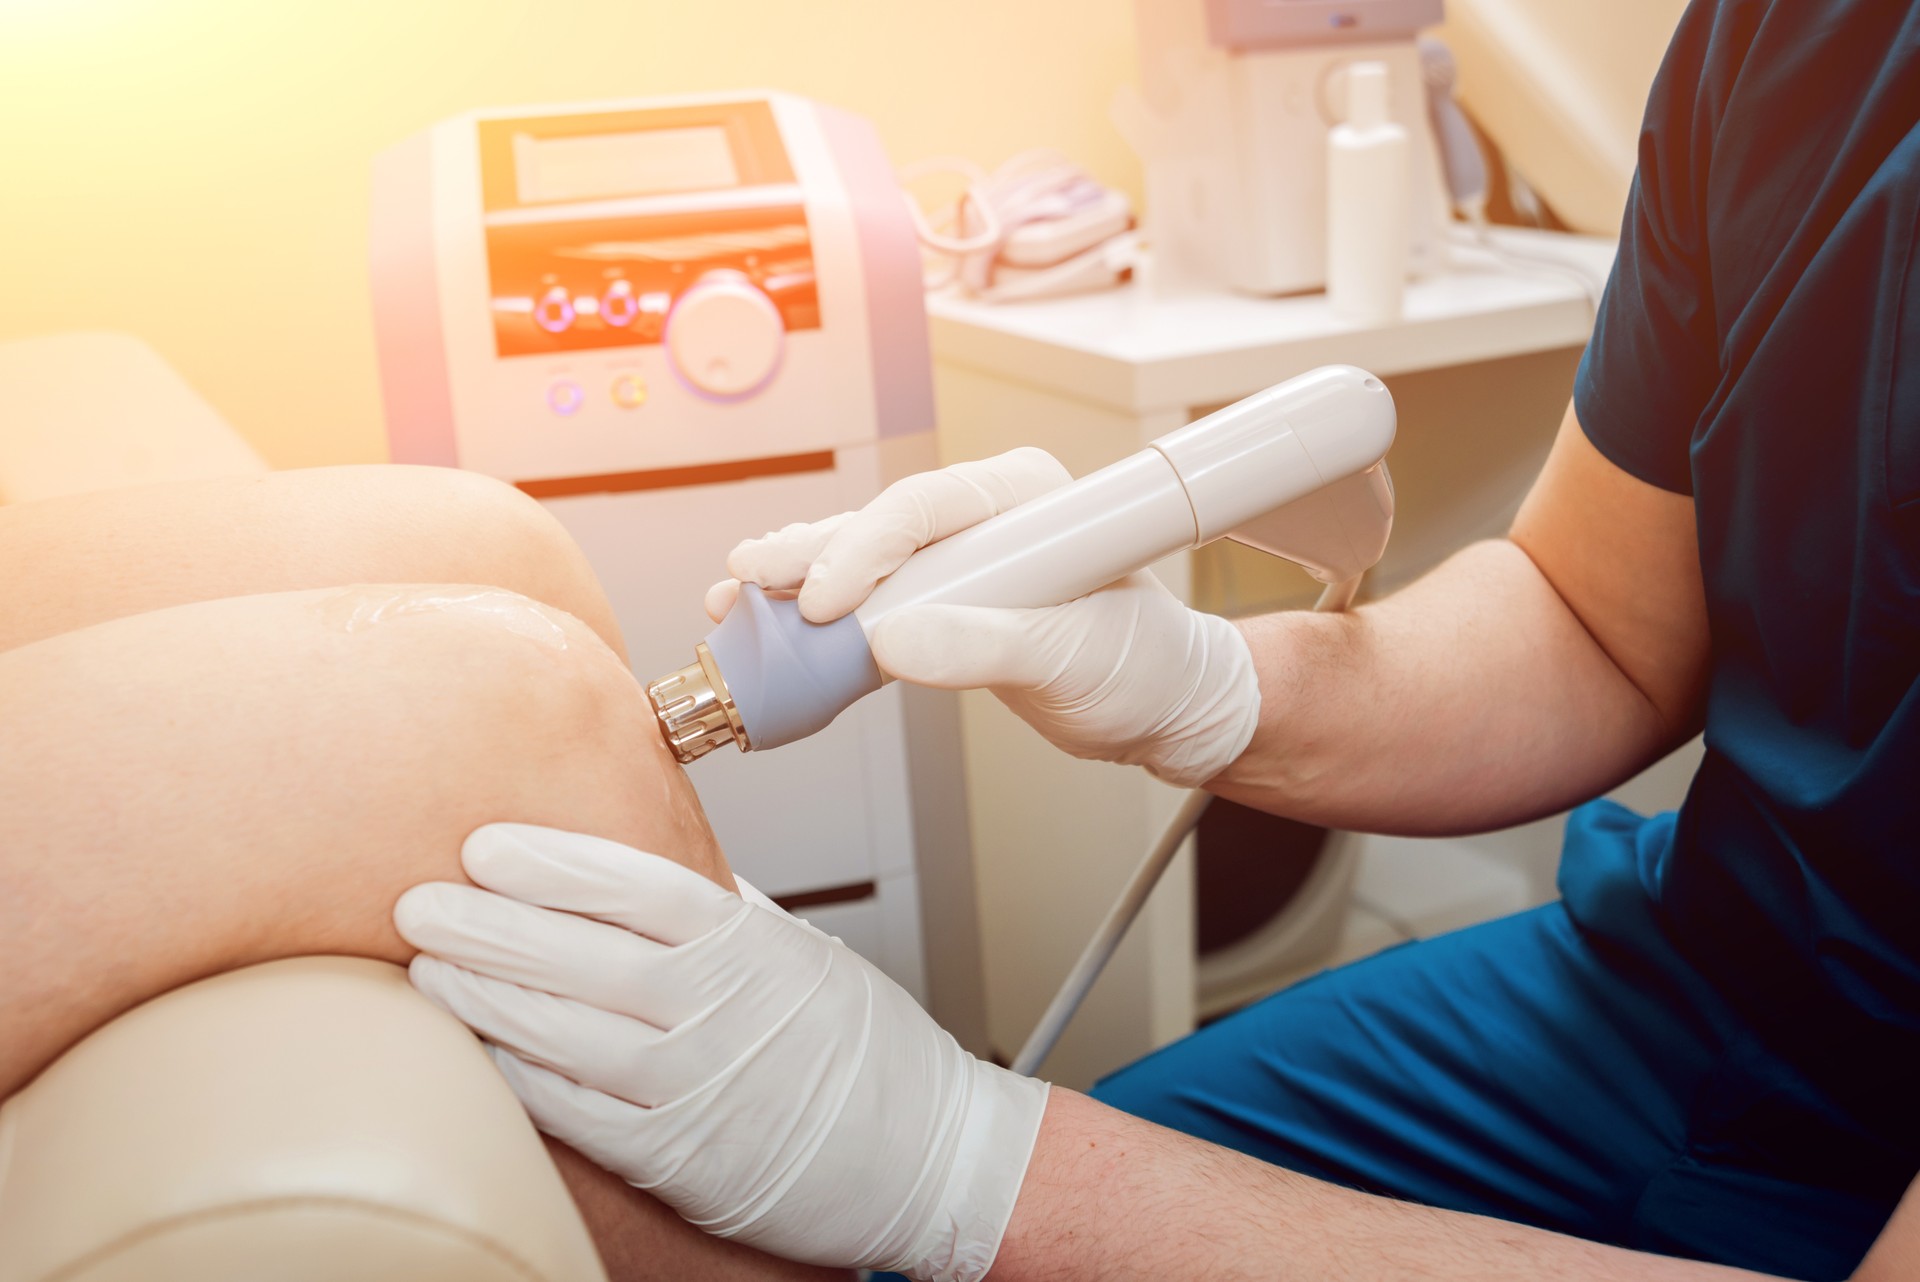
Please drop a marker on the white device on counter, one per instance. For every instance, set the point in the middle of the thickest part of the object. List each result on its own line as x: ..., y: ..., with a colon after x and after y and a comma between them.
x: 671, y: 320
x: 1296, y: 470
x: 1036, y: 227
x: 1236, y: 99
x: 1367, y: 192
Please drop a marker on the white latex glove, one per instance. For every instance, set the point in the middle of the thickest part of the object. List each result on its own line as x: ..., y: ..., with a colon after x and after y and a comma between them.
x: 1125, y: 674
x: 756, y: 1075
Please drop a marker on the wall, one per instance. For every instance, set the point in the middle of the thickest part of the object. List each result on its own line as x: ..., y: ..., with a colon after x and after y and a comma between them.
x: 196, y: 171
x: 1560, y: 89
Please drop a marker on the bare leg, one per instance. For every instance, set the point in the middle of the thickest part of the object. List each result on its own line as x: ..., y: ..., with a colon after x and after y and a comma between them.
x: 190, y: 807
x: 71, y: 562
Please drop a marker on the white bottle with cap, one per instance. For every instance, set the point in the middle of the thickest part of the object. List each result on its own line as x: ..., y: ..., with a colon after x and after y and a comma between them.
x: 1369, y: 193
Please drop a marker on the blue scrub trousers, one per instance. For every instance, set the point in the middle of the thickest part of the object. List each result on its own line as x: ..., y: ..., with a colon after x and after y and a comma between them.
x: 1561, y: 1068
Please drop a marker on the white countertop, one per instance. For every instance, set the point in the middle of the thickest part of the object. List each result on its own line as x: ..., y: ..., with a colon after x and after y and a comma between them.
x: 1133, y: 351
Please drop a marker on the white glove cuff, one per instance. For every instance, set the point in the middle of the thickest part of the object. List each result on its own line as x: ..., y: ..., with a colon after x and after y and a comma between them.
x: 989, y: 1165
x: 1216, y: 730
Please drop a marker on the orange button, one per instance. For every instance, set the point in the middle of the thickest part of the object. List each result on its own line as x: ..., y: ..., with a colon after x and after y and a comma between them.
x: 629, y: 391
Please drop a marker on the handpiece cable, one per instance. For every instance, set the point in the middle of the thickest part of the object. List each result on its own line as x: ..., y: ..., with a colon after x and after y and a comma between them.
x: 1133, y: 896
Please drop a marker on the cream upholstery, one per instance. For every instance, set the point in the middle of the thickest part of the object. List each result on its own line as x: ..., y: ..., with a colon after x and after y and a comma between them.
x: 92, y: 411
x: 299, y: 1121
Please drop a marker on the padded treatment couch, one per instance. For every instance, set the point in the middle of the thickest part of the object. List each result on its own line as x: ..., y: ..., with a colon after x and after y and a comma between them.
x: 309, y: 1120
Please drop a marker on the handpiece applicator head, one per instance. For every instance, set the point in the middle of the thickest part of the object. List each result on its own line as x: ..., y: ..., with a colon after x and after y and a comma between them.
x: 696, y: 710
x: 785, y: 679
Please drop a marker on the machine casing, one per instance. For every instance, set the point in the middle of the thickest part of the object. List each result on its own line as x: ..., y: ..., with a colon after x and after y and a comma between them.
x: 1235, y: 103
x: 764, y: 361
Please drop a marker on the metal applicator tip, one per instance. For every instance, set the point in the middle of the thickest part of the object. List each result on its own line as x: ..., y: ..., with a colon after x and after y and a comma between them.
x: 696, y: 710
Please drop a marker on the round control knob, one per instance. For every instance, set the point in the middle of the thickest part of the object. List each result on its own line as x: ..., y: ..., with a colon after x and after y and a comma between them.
x: 725, y: 336
x: 619, y: 305
x: 554, y: 311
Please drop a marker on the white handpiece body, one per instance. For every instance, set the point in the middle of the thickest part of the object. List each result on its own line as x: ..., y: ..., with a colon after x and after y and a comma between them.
x: 1295, y: 470
x: 1219, y: 476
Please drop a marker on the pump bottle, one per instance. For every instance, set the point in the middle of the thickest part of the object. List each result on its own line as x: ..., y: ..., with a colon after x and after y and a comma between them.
x: 1369, y: 195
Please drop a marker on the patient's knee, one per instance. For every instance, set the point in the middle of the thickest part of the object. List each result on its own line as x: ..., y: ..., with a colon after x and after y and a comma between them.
x: 504, y: 537
x: 551, y: 726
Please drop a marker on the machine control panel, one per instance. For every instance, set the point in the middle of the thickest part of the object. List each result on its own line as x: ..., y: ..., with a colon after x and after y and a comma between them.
x: 598, y: 227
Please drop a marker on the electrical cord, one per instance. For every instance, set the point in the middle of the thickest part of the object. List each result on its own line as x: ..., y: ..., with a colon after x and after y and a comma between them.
x: 1476, y: 232
x: 1133, y: 896
x: 1336, y: 597
x: 974, y: 202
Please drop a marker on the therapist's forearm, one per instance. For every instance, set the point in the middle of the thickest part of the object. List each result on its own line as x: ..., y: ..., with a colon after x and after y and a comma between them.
x: 1110, y: 1197
x: 1472, y: 699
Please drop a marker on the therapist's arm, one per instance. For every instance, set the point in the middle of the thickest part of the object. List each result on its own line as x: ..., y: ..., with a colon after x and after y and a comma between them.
x: 1111, y: 1197
x: 769, y: 1083
x: 1521, y: 676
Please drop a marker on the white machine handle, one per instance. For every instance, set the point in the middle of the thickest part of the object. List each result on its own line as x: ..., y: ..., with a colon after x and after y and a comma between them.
x: 1236, y: 472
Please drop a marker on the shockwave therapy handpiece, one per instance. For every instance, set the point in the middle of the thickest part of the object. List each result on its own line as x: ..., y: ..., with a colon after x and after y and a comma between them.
x: 1295, y: 470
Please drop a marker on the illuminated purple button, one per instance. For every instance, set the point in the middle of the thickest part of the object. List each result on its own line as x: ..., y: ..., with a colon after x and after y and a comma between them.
x: 554, y: 312
x: 564, y: 397
x: 620, y: 305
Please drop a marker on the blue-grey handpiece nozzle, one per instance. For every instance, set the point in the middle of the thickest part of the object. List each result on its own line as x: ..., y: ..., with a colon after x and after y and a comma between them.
x: 764, y: 677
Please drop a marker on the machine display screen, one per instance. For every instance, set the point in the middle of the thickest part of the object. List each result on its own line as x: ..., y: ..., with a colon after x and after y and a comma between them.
x: 648, y: 162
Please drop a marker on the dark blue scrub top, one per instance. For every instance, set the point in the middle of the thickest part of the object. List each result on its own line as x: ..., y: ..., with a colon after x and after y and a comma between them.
x: 1758, y: 347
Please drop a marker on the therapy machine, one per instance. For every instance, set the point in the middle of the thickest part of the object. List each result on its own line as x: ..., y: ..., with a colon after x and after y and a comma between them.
x: 673, y: 320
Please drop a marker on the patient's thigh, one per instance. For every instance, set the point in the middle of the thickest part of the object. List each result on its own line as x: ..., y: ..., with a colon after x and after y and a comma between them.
x: 68, y: 563
x: 203, y: 787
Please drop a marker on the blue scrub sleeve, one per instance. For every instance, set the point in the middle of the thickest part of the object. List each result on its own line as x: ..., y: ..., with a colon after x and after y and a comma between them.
x: 1652, y: 363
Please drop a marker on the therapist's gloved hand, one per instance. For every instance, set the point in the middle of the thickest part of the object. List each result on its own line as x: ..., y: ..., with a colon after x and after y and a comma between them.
x: 1127, y: 673
x: 756, y: 1075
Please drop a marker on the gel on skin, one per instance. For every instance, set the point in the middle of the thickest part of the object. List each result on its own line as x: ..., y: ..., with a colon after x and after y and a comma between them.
x: 1369, y: 187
